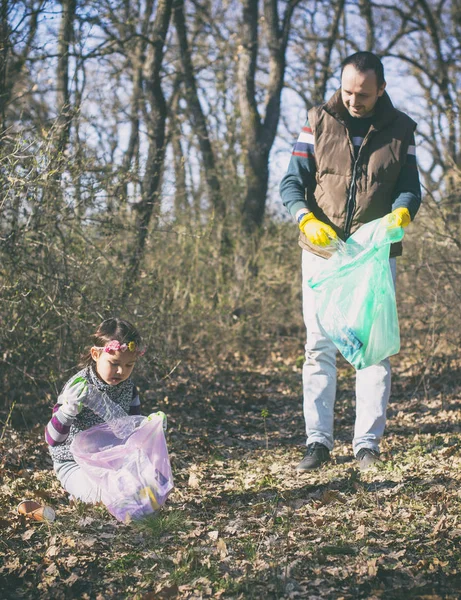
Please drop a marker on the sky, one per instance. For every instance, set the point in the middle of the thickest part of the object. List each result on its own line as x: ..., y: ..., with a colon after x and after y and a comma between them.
x: 98, y: 99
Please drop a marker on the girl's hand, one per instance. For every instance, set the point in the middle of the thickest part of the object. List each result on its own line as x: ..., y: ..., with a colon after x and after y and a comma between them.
x: 73, y: 395
x: 159, y: 414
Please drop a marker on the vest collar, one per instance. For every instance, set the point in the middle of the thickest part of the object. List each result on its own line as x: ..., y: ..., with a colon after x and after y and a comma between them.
x: 384, y: 113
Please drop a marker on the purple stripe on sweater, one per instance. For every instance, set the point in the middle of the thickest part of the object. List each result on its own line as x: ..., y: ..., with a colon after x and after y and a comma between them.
x: 60, y: 428
x: 49, y: 439
x: 54, y: 437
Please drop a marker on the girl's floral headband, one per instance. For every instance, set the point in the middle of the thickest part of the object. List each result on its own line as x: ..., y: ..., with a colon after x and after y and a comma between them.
x: 116, y: 346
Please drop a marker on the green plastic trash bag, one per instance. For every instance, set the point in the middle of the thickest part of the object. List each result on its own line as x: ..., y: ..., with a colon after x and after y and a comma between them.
x: 355, y: 296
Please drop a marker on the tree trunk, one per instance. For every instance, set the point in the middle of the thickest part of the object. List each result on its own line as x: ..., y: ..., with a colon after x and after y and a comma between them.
x: 11, y: 61
x: 62, y: 75
x: 137, y: 62
x: 366, y: 12
x: 332, y: 37
x: 155, y: 123
x: 258, y: 135
x: 181, y: 204
x: 197, y: 117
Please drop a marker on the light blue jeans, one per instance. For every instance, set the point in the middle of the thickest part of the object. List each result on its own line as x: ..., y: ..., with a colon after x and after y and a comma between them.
x: 372, y: 385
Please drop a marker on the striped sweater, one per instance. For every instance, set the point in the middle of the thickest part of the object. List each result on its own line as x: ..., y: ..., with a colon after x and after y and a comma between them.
x: 62, y: 428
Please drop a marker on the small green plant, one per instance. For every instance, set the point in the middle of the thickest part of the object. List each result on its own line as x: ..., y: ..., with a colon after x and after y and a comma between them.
x: 7, y: 420
x: 163, y: 522
x: 123, y: 563
x: 194, y: 564
x: 267, y: 481
x: 250, y: 550
x: 264, y: 415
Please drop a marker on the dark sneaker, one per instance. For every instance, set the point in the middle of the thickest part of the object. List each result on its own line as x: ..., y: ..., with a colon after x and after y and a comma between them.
x: 367, y: 458
x: 316, y: 455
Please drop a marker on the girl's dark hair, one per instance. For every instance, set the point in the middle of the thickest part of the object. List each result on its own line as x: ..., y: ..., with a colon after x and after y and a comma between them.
x: 366, y: 61
x: 112, y: 329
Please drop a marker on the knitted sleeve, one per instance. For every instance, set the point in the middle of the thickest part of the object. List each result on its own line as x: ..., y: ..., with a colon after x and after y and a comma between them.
x: 57, y: 429
x: 407, y: 193
x: 299, y: 182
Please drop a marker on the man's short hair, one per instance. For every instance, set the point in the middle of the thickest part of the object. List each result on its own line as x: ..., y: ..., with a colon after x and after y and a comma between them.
x: 365, y: 61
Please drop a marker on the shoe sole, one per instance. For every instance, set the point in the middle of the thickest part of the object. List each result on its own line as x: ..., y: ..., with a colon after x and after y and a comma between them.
x: 375, y: 463
x: 313, y: 468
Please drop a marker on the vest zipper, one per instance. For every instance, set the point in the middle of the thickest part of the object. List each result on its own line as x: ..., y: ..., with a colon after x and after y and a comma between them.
x: 351, y: 201
x: 352, y: 190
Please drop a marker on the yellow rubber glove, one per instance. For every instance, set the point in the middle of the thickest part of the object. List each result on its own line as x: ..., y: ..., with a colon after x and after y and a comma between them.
x: 316, y: 231
x: 400, y: 217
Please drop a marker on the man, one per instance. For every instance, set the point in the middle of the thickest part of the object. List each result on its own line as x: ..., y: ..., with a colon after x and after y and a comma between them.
x: 354, y: 162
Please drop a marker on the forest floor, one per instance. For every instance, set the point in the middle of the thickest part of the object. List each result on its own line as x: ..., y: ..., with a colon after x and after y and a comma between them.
x: 240, y: 522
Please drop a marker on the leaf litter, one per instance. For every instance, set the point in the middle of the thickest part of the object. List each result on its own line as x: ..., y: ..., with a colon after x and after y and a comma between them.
x: 241, y: 523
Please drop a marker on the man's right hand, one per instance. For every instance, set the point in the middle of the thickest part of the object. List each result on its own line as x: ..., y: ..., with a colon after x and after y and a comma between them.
x: 73, y: 395
x: 317, y: 232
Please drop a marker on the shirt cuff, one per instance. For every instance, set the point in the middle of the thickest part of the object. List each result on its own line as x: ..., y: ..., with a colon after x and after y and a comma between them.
x: 300, y: 214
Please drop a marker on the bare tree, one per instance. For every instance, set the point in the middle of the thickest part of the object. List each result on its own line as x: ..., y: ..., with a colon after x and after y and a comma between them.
x: 155, y: 117
x: 427, y: 42
x: 63, y: 102
x: 258, y: 133
x: 198, y: 119
x: 181, y: 204
x: 18, y: 30
x: 136, y: 60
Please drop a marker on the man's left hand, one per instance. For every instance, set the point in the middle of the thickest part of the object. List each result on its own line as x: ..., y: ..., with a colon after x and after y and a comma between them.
x: 400, y: 217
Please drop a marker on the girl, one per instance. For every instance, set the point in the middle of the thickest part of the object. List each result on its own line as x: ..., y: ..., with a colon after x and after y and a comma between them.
x: 108, y: 366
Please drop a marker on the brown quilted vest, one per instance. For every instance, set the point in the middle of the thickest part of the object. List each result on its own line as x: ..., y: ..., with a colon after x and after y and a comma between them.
x: 352, y: 192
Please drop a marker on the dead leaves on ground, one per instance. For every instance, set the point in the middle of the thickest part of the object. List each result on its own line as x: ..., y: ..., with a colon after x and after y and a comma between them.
x: 241, y: 523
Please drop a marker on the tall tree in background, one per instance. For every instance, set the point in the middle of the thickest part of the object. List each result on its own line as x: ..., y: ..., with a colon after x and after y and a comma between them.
x: 155, y: 119
x: 181, y: 203
x: 327, y: 44
x: 18, y: 30
x: 63, y: 103
x: 196, y: 113
x: 258, y: 133
x: 424, y: 38
x: 135, y: 59
x: 434, y: 60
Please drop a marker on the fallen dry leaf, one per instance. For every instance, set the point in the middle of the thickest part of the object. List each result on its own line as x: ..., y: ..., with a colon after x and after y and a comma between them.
x: 28, y: 534
x: 372, y: 567
x: 360, y: 533
x: 194, y: 481
x: 73, y: 578
x: 52, y: 570
x: 222, y: 548
x: 52, y: 551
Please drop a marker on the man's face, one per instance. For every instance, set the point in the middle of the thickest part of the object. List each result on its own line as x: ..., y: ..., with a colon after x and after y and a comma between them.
x: 360, y: 91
